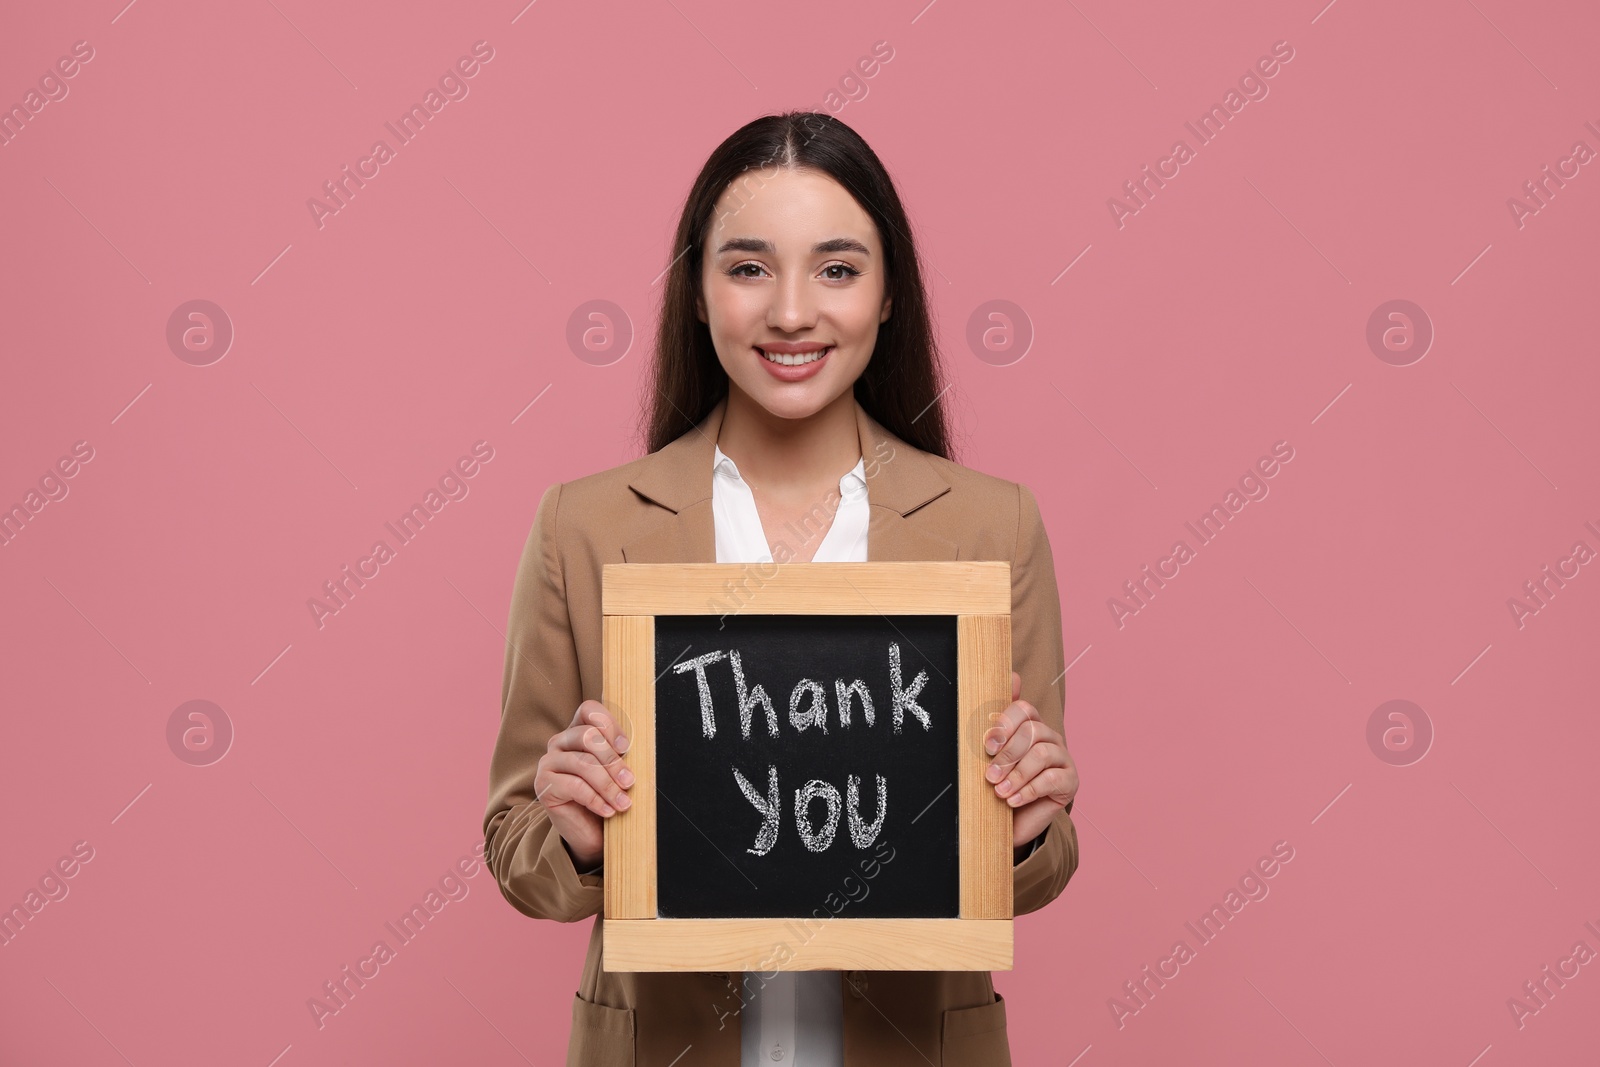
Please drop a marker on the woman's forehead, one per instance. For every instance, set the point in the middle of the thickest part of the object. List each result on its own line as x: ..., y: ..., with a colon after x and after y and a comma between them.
x: 792, y: 211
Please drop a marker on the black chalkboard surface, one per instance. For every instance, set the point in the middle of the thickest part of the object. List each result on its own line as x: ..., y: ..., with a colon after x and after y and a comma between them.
x: 853, y: 787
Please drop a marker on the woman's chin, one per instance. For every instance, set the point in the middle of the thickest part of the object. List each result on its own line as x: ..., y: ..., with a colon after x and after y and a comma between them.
x: 799, y: 400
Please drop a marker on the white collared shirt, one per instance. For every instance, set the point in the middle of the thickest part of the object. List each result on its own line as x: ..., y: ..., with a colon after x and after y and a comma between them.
x: 740, y: 538
x: 795, y: 1019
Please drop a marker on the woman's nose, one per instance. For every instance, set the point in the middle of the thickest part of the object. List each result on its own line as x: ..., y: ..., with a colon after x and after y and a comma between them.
x: 792, y: 305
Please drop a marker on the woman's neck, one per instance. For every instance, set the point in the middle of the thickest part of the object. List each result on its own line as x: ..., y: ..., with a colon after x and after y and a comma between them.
x: 790, y: 454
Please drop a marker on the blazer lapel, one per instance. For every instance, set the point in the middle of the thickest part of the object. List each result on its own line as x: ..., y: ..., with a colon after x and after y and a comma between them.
x: 900, y: 479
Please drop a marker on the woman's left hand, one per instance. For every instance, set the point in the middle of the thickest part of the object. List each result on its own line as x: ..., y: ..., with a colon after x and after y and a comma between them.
x: 1031, y: 768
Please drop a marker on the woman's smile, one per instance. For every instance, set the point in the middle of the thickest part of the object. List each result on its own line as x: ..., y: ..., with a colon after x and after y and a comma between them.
x: 793, y: 362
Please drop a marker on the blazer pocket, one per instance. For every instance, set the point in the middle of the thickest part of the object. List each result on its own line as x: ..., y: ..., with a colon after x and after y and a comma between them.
x: 601, y: 1036
x: 976, y: 1037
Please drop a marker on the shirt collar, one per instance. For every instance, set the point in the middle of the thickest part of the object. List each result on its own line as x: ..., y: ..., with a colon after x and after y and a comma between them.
x: 903, y: 478
x: 854, y: 481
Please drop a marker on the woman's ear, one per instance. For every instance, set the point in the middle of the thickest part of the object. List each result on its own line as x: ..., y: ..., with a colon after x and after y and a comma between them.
x: 700, y: 308
x: 887, y: 302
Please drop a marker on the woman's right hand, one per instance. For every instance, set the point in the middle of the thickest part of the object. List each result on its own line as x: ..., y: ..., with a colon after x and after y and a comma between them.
x: 581, y: 780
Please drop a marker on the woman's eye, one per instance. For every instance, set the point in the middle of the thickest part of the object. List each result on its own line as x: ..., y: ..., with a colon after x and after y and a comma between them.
x: 743, y: 271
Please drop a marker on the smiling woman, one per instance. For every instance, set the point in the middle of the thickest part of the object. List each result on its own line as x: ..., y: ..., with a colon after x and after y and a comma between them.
x: 794, y: 348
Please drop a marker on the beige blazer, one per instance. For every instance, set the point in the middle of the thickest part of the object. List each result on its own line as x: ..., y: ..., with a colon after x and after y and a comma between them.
x: 657, y: 509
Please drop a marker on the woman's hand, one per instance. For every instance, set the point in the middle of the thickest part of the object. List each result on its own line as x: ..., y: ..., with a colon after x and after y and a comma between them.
x: 1031, y: 769
x: 581, y: 779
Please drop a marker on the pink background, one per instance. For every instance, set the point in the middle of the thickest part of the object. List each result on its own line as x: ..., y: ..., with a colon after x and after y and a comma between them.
x: 1228, y: 314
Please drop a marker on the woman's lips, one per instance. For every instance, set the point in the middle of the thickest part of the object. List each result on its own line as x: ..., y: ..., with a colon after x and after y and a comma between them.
x: 795, y: 372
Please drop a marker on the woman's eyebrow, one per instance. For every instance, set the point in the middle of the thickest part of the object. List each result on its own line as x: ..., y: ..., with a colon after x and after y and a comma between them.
x: 761, y: 244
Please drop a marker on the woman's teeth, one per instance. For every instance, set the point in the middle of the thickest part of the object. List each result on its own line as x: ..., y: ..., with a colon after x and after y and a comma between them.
x: 795, y: 360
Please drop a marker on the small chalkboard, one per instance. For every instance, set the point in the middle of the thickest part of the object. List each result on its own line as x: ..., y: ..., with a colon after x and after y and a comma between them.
x: 808, y: 765
x: 842, y: 748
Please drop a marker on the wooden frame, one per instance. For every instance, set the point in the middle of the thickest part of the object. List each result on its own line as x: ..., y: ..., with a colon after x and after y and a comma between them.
x: 978, y: 594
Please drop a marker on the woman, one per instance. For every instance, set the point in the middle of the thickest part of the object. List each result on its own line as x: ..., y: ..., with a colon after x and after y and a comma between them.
x: 795, y: 416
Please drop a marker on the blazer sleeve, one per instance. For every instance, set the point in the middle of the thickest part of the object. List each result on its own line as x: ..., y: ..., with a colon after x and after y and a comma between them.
x: 1037, y: 655
x: 540, y: 691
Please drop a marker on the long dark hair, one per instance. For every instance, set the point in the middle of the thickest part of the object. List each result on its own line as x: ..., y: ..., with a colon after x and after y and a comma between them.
x: 902, y: 384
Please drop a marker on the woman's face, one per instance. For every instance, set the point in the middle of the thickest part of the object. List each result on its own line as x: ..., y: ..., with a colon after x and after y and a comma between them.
x: 792, y: 266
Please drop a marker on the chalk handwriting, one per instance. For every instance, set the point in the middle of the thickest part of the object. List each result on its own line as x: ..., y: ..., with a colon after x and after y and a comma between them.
x: 816, y: 713
x: 770, y: 809
x: 815, y: 838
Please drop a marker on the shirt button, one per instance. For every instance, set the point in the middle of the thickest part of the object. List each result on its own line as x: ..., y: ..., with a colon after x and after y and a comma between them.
x: 777, y: 1052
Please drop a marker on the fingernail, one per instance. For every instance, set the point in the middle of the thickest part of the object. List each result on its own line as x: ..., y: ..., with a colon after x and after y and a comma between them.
x: 993, y: 773
x: 623, y: 801
x: 622, y: 743
x: 625, y: 777
x: 1012, y: 800
x: 991, y: 747
x: 1004, y: 788
x: 605, y: 809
